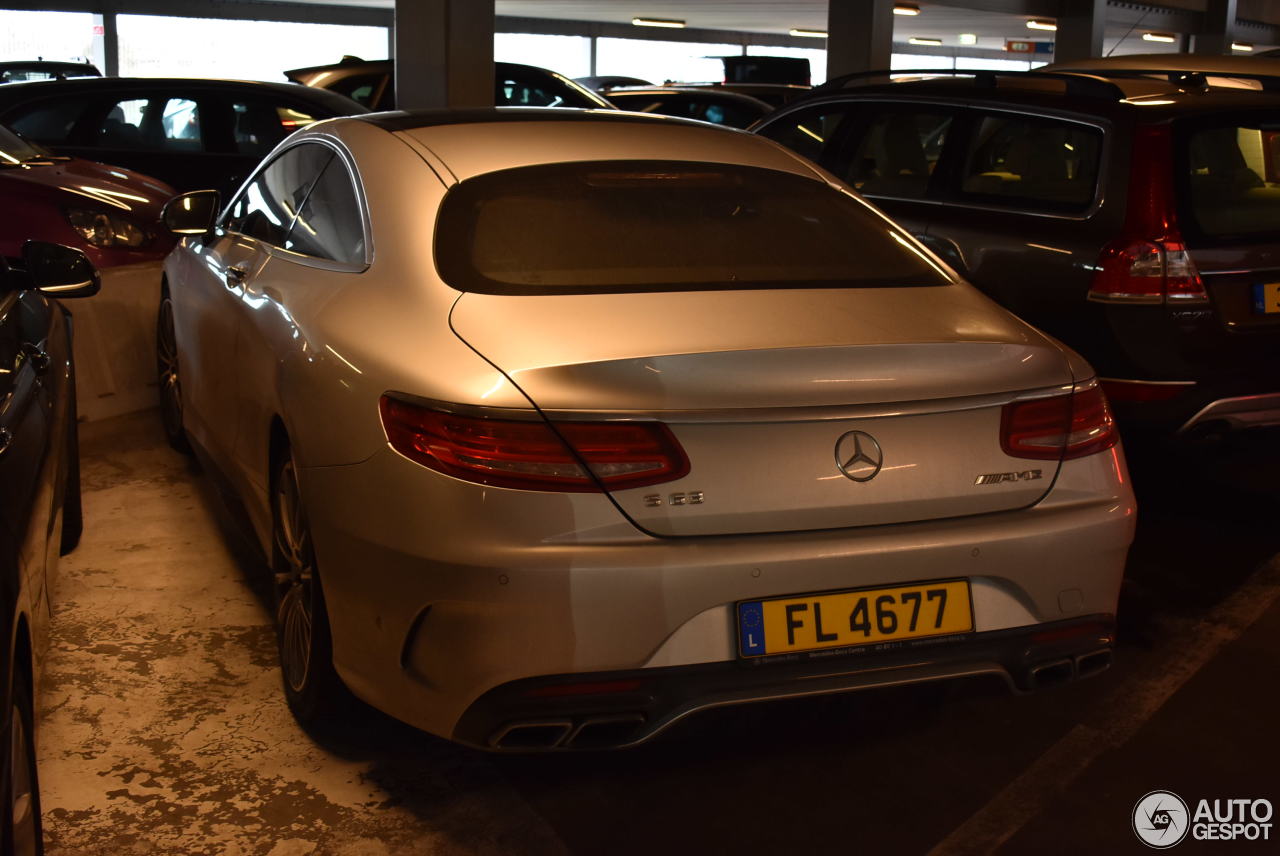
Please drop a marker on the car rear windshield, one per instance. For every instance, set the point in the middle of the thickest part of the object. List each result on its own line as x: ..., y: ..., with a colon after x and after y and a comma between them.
x: 1233, y: 178
x: 615, y: 226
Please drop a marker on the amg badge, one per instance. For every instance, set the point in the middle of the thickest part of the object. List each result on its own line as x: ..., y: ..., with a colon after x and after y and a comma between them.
x: 1001, y: 478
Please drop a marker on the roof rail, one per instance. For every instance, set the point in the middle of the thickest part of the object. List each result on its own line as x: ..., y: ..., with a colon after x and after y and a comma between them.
x: 1084, y: 83
x: 1186, y: 79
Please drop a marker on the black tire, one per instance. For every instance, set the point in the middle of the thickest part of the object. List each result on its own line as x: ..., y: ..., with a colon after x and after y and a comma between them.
x: 20, y: 828
x: 168, y: 376
x: 315, y: 693
x: 72, y: 511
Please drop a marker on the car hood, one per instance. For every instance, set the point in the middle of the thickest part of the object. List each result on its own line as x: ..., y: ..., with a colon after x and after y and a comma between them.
x: 108, y: 186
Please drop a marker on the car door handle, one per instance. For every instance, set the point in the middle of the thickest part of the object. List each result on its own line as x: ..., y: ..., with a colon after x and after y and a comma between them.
x: 38, y: 358
x: 6, y: 439
x: 236, y: 274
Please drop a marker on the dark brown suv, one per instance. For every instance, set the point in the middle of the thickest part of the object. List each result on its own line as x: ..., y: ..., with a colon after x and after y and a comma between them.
x: 1136, y: 219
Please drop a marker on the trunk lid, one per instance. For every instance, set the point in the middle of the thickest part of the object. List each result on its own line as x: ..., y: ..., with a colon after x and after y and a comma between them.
x: 763, y: 389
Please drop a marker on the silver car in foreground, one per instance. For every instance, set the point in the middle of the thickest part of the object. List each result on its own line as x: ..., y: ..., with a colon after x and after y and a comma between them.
x: 558, y: 426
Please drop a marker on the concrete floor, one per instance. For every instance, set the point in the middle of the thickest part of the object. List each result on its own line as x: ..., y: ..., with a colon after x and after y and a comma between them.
x: 164, y: 729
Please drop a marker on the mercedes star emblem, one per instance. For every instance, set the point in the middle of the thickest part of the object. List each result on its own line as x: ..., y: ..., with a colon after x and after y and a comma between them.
x: 859, y: 456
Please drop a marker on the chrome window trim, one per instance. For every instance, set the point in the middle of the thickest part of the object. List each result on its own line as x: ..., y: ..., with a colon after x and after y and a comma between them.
x: 301, y: 258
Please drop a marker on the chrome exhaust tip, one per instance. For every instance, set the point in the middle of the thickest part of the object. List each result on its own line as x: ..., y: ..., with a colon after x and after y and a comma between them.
x: 605, y: 732
x: 1052, y: 673
x: 536, y: 734
x: 1088, y: 665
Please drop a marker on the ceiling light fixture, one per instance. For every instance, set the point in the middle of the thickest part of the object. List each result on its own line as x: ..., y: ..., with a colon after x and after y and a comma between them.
x: 658, y: 22
x: 809, y: 34
x: 906, y: 9
x: 1241, y: 46
x: 1037, y: 24
x: 931, y: 42
x: 1159, y: 37
x: 968, y: 38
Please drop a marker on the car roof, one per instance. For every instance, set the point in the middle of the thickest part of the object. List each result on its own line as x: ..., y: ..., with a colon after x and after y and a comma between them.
x: 354, y: 66
x: 52, y: 66
x: 676, y: 89
x: 1071, y: 91
x: 14, y: 93
x: 468, y: 144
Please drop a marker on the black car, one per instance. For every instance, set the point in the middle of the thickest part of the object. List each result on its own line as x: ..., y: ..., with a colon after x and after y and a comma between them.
x: 372, y: 83
x: 773, y: 94
x: 20, y: 71
x: 191, y: 133
x: 600, y: 83
x: 1136, y: 219
x: 39, y: 502
x: 708, y: 105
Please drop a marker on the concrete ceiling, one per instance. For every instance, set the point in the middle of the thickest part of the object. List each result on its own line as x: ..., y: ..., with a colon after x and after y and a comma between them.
x: 944, y: 22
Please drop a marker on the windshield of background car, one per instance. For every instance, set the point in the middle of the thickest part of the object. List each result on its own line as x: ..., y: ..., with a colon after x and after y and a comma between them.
x: 15, y: 150
x: 1232, y: 174
x: 625, y: 226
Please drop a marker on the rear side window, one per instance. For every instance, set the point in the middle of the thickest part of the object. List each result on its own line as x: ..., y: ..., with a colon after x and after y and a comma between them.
x: 49, y: 121
x: 807, y: 132
x: 151, y: 124
x: 265, y: 207
x: 1233, y: 178
x: 363, y: 88
x: 898, y: 153
x: 329, y: 225
x: 259, y: 125
x: 615, y: 226
x: 1033, y: 163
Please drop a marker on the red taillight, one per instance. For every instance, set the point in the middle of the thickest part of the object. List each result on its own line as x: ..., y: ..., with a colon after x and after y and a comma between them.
x: 1149, y: 263
x: 1059, y: 427
x: 530, y: 455
x: 1146, y: 272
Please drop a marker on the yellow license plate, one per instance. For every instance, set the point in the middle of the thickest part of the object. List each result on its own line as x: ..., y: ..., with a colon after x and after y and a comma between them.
x: 847, y: 618
x: 1266, y: 297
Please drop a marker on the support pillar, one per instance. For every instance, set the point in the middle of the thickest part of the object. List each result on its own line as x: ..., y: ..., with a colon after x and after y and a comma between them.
x: 1081, y: 25
x: 1219, y: 28
x: 110, y: 40
x: 444, y: 53
x: 859, y: 36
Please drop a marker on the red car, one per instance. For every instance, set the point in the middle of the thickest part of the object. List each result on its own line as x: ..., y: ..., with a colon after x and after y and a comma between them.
x: 110, y: 213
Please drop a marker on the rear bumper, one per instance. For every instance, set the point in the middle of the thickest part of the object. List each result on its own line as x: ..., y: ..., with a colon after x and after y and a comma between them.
x: 624, y: 708
x: 1205, y: 407
x: 441, y: 592
x: 1245, y: 411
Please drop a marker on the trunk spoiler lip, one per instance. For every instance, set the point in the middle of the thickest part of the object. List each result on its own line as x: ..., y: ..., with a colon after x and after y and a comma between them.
x: 813, y: 413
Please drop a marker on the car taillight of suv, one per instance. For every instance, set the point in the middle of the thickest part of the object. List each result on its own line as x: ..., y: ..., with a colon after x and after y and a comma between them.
x: 1149, y: 262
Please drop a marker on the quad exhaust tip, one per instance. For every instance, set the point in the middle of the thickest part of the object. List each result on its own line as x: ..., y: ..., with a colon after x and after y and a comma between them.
x: 592, y: 732
x: 1070, y: 669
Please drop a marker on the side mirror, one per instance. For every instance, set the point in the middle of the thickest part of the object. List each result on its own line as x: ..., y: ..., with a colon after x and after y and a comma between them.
x: 191, y: 213
x: 60, y: 271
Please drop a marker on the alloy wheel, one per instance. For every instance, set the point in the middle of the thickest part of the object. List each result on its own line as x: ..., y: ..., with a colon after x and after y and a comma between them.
x: 294, y: 578
x: 167, y: 370
x: 24, y: 818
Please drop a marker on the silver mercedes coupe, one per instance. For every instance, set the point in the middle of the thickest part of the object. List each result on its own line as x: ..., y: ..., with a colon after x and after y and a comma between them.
x: 559, y: 426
